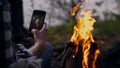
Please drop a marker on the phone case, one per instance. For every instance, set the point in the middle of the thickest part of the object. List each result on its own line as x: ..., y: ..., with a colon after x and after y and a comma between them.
x: 37, y: 21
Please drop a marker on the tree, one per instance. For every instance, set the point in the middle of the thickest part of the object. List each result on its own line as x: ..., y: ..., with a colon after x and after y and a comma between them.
x: 118, y: 5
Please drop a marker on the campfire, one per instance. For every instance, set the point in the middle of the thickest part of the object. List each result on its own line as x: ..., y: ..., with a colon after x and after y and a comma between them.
x: 82, y: 50
x: 82, y: 38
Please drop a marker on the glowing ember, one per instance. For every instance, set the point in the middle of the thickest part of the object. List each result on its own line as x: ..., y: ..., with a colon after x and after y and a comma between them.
x: 82, y: 33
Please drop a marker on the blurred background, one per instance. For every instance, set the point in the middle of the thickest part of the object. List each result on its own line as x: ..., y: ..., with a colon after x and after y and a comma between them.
x: 60, y: 22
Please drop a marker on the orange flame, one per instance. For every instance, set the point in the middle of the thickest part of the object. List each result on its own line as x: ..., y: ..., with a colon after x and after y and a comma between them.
x: 83, y: 33
x: 75, y: 9
x: 97, y: 52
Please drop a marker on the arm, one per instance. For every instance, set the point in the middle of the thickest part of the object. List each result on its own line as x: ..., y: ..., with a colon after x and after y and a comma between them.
x: 39, y: 38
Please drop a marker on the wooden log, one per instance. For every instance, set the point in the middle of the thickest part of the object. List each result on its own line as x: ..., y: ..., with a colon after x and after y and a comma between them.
x: 76, y: 62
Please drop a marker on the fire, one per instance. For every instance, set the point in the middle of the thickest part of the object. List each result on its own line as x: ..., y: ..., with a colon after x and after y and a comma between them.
x: 83, y: 34
x: 97, y: 52
x: 75, y: 9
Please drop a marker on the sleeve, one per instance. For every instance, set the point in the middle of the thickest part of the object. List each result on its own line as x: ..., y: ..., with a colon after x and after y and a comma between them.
x: 31, y: 62
x: 23, y: 52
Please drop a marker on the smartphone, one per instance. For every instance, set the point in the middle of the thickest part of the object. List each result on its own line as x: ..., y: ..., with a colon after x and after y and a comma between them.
x: 37, y: 21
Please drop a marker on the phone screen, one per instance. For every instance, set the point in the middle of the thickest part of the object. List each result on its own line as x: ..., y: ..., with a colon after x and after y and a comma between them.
x: 37, y: 21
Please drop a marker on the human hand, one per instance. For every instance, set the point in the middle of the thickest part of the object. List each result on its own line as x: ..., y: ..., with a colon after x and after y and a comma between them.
x: 39, y: 39
x: 40, y: 35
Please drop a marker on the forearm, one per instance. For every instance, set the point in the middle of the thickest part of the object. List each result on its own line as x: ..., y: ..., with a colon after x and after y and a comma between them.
x: 37, y: 49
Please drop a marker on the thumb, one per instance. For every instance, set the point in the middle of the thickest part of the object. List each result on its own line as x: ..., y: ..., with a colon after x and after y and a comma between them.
x: 34, y: 31
x: 44, y: 27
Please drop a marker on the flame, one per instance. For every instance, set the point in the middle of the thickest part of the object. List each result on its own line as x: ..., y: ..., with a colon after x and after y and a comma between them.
x: 97, y: 52
x: 37, y: 22
x: 83, y: 34
x: 75, y: 9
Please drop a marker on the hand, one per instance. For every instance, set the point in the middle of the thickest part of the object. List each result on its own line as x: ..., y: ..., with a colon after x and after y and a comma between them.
x: 39, y: 38
x: 40, y: 35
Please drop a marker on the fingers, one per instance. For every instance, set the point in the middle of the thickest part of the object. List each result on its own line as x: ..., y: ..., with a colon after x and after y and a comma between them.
x: 38, y: 33
x: 43, y: 28
x: 34, y: 31
x: 31, y: 39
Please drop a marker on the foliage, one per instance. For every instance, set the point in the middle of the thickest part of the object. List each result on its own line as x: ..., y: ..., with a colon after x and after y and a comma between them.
x: 108, y: 32
x: 107, y: 28
x: 60, y: 34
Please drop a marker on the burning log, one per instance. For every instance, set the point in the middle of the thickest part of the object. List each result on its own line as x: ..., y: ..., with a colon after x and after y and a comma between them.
x: 75, y: 60
x: 110, y: 59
